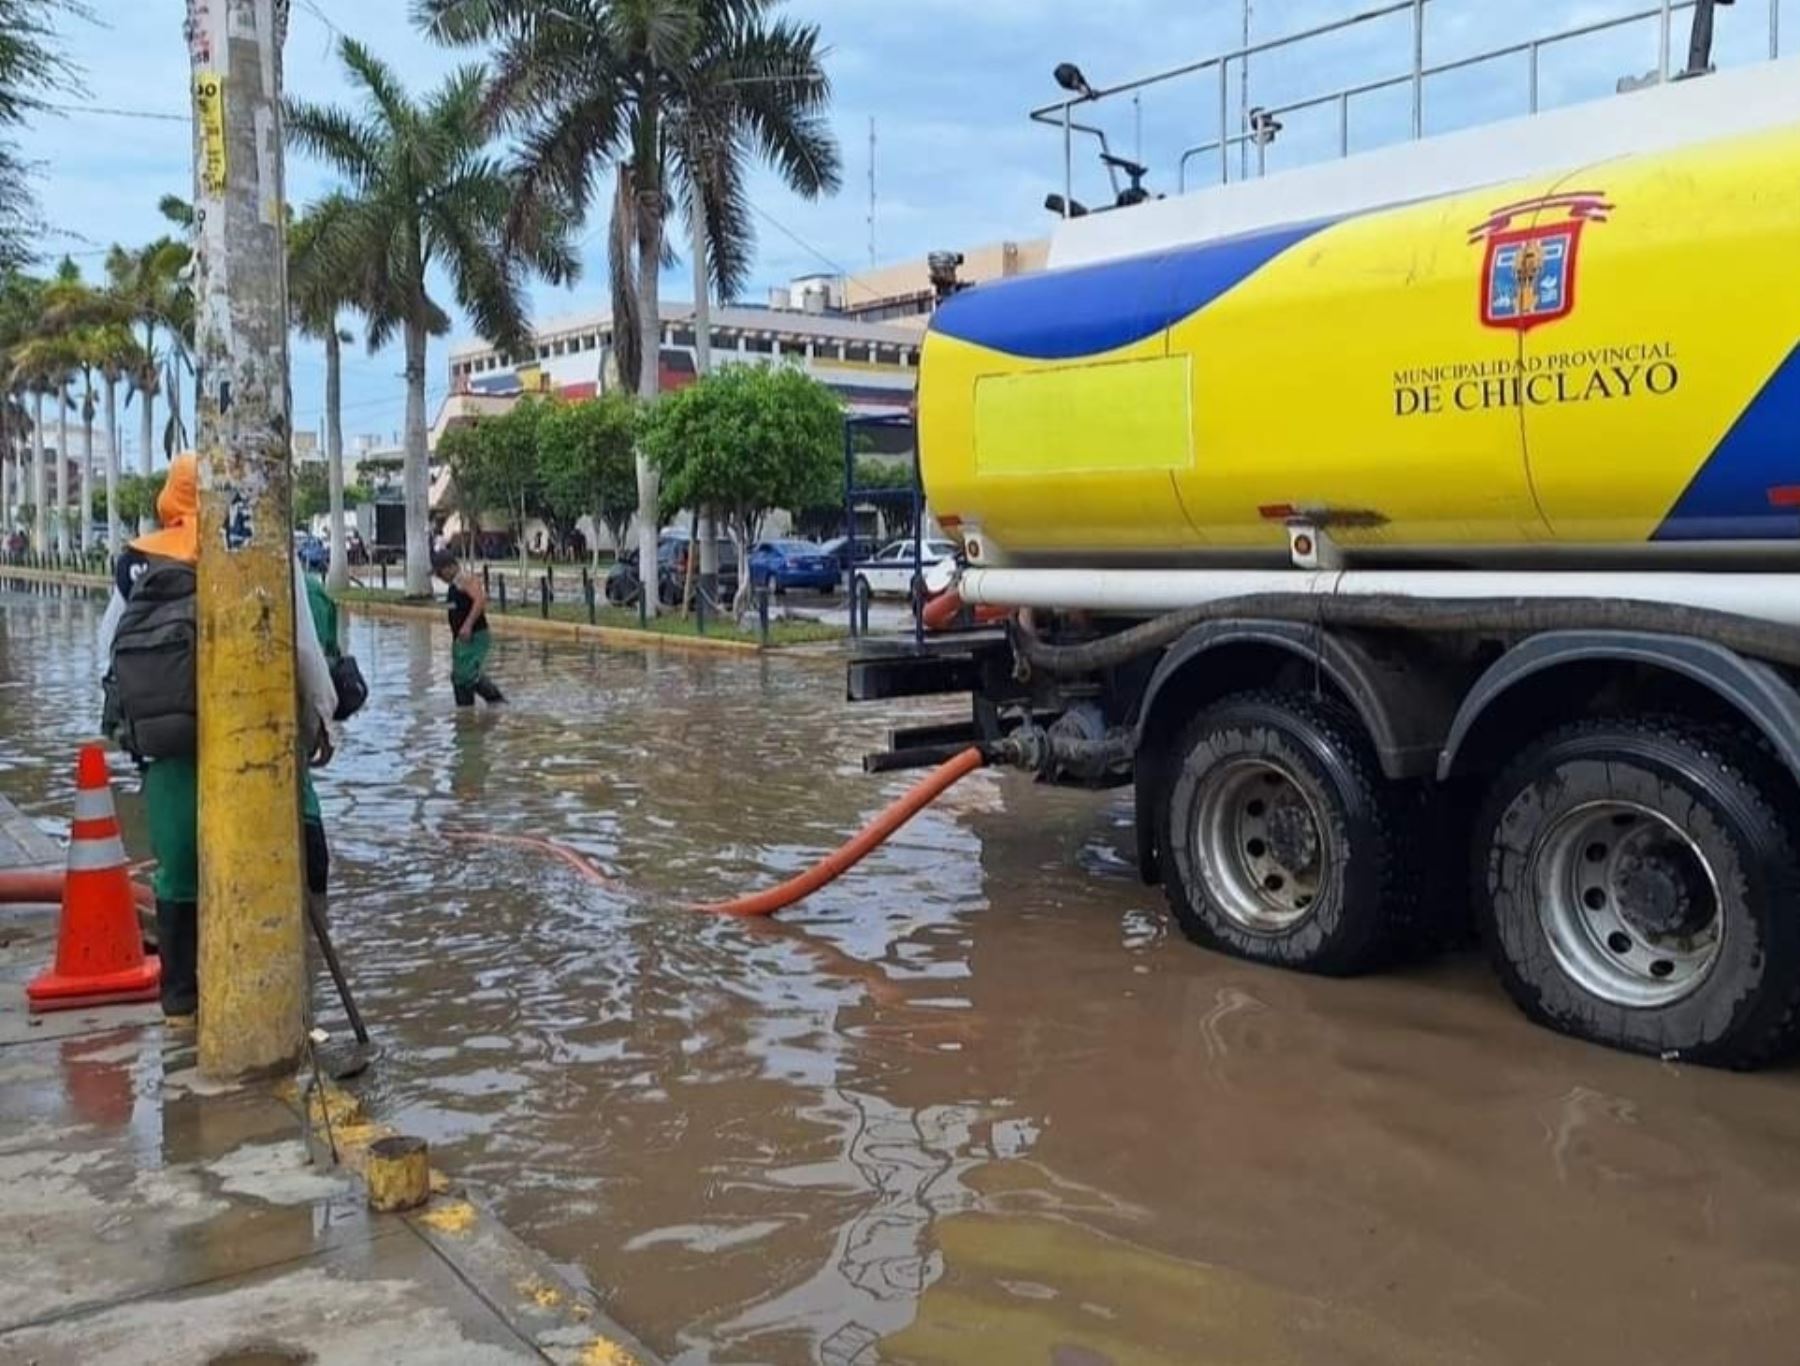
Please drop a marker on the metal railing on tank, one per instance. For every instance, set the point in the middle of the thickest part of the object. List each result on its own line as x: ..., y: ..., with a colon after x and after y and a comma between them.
x: 1256, y: 127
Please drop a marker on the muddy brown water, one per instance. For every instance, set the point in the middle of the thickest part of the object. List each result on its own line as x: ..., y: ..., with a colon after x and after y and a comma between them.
x: 977, y: 1102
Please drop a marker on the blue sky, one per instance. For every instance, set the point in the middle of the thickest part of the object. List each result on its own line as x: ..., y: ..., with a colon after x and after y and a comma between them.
x: 947, y: 81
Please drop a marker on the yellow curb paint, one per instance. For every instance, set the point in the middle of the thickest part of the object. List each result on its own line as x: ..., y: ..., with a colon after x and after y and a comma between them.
x: 570, y: 630
x: 606, y: 1352
x: 543, y: 1296
x: 450, y: 1216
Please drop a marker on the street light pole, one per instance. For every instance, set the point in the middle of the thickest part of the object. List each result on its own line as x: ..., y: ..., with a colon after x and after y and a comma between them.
x: 252, y: 961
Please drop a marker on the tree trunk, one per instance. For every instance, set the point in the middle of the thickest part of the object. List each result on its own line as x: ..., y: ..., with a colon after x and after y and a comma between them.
x: 147, y: 449
x: 416, y: 475
x: 337, y: 577
x: 86, y: 510
x: 649, y: 265
x: 115, y: 538
x: 177, y: 428
x: 40, y: 493
x: 62, y: 471
x: 740, y: 539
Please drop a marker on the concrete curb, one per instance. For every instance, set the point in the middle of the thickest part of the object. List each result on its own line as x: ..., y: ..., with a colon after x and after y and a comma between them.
x: 67, y: 578
x: 534, y: 628
x: 541, y: 629
x: 523, y: 1287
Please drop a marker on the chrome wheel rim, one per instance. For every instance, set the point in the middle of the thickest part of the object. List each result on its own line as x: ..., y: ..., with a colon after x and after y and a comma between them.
x: 1629, y: 904
x: 1262, y: 846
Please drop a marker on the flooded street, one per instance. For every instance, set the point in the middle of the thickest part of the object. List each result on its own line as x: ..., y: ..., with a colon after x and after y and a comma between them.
x: 977, y: 1102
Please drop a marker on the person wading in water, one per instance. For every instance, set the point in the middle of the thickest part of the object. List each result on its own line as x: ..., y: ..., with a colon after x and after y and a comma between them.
x: 469, y: 638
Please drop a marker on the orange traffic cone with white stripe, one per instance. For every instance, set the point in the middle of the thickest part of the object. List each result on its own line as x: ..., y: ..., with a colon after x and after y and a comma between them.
x: 100, y: 957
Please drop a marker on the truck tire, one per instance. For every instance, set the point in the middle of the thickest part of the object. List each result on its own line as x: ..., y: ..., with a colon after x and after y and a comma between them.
x: 1642, y: 890
x: 1285, y: 844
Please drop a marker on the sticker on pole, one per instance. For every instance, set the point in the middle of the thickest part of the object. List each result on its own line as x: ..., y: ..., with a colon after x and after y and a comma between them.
x: 209, y: 115
x: 240, y: 530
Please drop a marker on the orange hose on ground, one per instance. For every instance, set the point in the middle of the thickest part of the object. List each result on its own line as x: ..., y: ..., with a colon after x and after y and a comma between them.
x: 941, y: 612
x: 872, y: 835
x: 44, y: 887
x: 579, y: 862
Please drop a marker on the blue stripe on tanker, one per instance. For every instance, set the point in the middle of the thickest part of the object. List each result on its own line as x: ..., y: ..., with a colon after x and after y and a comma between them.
x: 1728, y: 499
x: 1064, y: 314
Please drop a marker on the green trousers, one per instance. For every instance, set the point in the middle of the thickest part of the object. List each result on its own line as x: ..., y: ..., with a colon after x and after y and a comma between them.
x: 172, y: 799
x: 467, y: 658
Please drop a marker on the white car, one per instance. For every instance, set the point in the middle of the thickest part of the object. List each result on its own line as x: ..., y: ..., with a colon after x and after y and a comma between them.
x: 890, y: 572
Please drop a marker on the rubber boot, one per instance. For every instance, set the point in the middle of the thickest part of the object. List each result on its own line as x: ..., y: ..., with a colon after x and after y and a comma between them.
x: 465, y: 695
x: 178, y: 945
x: 484, y: 687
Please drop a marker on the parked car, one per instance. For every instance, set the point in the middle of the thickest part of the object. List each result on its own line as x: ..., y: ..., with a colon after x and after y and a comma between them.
x: 890, y: 572
x: 842, y: 548
x: 671, y: 577
x: 792, y: 564
x: 314, y: 555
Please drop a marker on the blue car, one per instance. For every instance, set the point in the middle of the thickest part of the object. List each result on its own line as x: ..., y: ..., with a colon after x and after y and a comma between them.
x: 792, y: 564
x: 314, y: 554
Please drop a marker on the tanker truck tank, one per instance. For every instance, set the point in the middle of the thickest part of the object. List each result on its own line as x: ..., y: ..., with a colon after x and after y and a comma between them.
x: 1598, y: 361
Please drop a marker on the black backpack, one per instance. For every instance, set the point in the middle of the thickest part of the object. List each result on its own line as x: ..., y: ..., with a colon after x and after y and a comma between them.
x: 153, y: 653
x: 352, y: 688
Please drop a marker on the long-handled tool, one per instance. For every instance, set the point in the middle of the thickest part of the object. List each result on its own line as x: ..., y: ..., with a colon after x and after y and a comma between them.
x: 358, y: 1060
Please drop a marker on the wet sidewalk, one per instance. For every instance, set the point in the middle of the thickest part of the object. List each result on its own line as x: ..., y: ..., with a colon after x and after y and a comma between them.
x: 146, y: 1217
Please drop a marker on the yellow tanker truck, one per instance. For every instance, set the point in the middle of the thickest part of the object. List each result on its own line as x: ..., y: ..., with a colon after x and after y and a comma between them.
x: 1416, y: 533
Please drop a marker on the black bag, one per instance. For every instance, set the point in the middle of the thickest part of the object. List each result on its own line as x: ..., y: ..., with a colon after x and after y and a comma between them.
x: 352, y: 689
x: 153, y: 654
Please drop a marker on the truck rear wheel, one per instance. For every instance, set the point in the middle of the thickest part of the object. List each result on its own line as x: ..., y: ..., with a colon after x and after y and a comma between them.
x: 1284, y: 841
x: 1642, y: 891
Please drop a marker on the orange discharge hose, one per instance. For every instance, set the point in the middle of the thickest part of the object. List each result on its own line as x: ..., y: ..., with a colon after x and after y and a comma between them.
x: 869, y: 838
x: 44, y: 887
x: 827, y: 870
x: 579, y: 862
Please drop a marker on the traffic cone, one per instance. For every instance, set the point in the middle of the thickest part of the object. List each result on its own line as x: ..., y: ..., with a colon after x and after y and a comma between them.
x: 100, y: 956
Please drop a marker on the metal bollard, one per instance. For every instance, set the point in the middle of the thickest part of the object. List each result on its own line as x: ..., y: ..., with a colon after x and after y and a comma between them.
x: 503, y: 595
x: 550, y: 574
x: 700, y: 611
x: 384, y: 576
x: 587, y: 592
x: 544, y: 597
x: 487, y: 581
x: 643, y: 607
x: 862, y: 610
x: 762, y: 616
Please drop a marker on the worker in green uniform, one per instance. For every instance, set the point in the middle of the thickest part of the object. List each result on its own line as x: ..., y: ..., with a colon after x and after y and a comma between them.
x: 154, y: 581
x: 317, y: 750
x: 469, y: 637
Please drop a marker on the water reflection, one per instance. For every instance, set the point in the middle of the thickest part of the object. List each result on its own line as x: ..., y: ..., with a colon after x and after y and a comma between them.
x: 975, y: 1102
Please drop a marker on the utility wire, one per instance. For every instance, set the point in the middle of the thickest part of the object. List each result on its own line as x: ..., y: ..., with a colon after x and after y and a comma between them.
x: 152, y: 115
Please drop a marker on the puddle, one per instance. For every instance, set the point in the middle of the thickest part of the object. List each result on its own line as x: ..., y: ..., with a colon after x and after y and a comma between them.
x: 979, y: 1101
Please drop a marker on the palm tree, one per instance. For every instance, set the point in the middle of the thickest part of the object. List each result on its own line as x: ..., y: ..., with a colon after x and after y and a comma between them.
x: 658, y: 90
x: 46, y: 362
x: 426, y: 194
x: 114, y: 352
x: 19, y: 311
x: 149, y: 281
x: 319, y: 289
x: 36, y: 367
